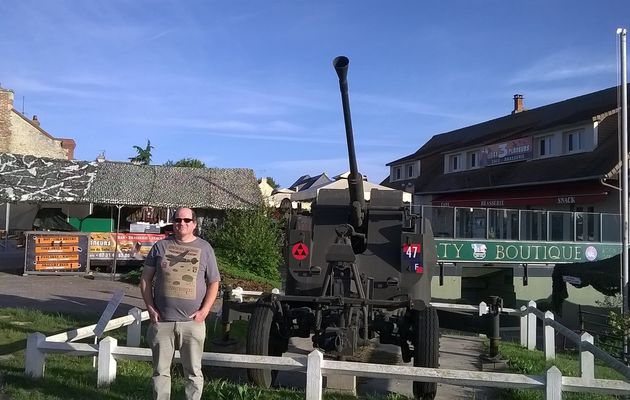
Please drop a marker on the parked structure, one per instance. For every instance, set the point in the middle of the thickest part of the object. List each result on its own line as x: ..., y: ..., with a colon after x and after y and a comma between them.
x: 21, y: 135
x: 548, y: 174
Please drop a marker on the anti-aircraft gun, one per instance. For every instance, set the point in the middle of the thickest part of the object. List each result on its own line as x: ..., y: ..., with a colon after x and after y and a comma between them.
x: 354, y: 272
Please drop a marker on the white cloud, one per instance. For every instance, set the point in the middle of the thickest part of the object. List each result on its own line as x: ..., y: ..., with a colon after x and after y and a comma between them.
x: 559, y: 67
x: 36, y: 86
x: 407, y: 106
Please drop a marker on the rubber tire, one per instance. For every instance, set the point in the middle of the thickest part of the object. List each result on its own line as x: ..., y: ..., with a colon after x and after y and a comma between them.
x: 262, y: 340
x: 426, y: 349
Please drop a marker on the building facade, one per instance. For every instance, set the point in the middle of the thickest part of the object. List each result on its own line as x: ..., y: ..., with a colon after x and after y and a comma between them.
x: 21, y: 135
x: 533, y: 177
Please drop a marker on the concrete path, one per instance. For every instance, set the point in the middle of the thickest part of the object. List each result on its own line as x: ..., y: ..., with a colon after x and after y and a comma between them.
x: 456, y: 352
x: 76, y: 294
x: 60, y: 293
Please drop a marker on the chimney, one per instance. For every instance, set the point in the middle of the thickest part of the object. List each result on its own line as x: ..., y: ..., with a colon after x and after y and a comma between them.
x: 68, y: 145
x: 35, y: 120
x: 6, y: 107
x: 518, y: 104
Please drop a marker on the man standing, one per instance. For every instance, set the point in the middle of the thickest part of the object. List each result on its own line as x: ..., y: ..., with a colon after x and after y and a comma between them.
x: 179, y: 284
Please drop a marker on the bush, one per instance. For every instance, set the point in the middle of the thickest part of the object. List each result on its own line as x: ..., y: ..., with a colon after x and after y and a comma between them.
x: 248, y: 239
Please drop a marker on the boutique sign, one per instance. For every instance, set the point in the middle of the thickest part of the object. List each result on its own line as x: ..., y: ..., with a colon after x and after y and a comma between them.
x: 467, y: 250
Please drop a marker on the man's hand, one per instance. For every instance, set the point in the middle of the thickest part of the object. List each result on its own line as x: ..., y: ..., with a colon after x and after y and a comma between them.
x: 154, y: 314
x: 199, y: 315
x: 208, y: 300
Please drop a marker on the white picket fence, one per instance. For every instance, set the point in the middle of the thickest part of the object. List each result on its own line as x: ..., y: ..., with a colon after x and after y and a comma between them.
x: 316, y: 367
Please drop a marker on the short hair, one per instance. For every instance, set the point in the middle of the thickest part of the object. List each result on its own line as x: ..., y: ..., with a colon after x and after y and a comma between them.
x: 193, y: 213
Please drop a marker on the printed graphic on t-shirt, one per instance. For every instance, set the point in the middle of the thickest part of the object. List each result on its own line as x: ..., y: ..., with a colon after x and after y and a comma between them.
x: 179, y: 266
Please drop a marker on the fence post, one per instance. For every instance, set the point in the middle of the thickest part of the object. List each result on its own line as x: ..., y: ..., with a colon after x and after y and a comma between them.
x: 523, y: 326
x: 553, y: 384
x: 550, y: 338
x: 587, y: 360
x: 314, y: 378
x: 531, y: 326
x: 35, y: 359
x: 134, y: 330
x: 106, y: 362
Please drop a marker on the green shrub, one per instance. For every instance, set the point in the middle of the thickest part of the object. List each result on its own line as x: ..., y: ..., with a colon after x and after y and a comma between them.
x: 248, y: 239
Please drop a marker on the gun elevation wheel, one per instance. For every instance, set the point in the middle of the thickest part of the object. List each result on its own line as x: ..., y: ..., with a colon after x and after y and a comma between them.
x: 264, y: 339
x: 426, y: 349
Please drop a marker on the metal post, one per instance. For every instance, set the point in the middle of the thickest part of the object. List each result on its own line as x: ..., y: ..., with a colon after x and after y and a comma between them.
x: 496, y: 303
x: 520, y: 223
x: 116, y: 243
x: 488, y: 223
x: 624, y: 165
x: 6, y: 225
x: 454, y: 222
x: 623, y: 125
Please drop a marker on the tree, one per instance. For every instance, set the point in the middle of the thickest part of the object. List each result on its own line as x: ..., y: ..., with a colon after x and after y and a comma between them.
x: 272, y: 182
x: 186, y: 162
x: 144, y: 155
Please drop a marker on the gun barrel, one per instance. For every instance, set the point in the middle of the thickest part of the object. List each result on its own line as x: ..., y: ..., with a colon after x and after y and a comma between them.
x: 355, y: 180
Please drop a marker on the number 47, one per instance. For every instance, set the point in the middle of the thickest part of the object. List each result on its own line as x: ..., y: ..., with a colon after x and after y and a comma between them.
x: 412, y: 250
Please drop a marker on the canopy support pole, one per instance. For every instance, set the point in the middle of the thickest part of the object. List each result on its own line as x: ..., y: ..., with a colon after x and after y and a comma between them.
x: 7, y: 213
x: 116, y: 243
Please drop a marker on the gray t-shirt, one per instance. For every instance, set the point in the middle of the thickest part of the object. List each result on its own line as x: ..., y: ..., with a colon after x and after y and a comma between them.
x: 182, y: 272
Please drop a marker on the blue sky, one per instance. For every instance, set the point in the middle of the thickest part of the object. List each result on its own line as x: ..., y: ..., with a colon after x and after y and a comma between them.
x: 251, y: 84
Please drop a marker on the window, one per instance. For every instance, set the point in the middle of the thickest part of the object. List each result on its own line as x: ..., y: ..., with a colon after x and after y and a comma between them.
x: 454, y: 162
x: 472, y: 159
x: 409, y: 168
x: 574, y: 141
x: 544, y: 146
x: 397, y: 173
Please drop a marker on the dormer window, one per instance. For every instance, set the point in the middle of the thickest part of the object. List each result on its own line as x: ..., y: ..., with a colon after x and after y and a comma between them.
x: 545, y: 148
x: 455, y: 162
x: 472, y: 159
x: 573, y: 141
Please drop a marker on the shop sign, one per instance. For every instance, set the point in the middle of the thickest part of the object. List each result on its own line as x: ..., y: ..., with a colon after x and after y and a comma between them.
x: 130, y: 246
x: 505, y: 152
x: 56, y: 252
x: 470, y: 250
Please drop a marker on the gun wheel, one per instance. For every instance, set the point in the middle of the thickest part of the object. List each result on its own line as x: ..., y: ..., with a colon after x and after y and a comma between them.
x: 264, y: 339
x: 426, y: 349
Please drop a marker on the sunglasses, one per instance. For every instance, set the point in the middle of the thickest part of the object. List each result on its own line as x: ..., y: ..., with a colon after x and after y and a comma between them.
x: 186, y: 220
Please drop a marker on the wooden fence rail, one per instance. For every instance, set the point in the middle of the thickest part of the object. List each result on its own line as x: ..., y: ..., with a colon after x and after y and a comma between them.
x: 314, y: 365
x: 529, y: 316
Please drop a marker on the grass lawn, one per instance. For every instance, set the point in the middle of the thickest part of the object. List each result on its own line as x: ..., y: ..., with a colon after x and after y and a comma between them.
x: 528, y: 362
x: 70, y: 377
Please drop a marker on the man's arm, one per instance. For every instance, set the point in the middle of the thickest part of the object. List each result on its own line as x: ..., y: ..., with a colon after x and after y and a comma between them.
x: 146, y: 288
x: 208, y: 300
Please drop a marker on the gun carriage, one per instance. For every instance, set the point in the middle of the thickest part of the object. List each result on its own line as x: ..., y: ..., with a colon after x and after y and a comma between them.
x: 355, y: 271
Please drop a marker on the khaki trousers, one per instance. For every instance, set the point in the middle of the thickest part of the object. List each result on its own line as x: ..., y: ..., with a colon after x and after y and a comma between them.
x: 164, y: 338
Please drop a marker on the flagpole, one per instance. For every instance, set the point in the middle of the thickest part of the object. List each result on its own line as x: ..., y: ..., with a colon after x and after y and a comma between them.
x: 624, y: 165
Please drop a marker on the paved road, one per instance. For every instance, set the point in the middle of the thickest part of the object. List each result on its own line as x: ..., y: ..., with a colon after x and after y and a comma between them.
x: 76, y: 294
